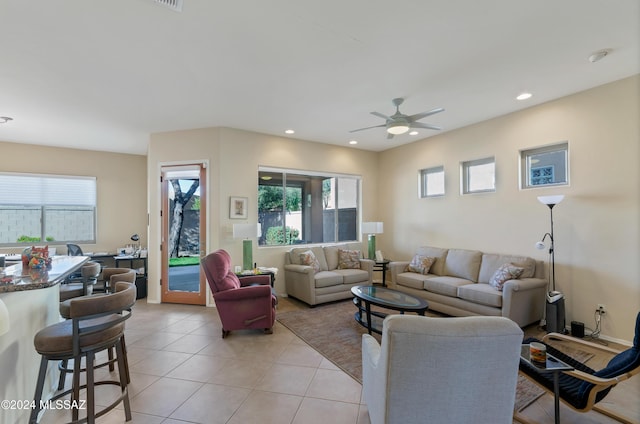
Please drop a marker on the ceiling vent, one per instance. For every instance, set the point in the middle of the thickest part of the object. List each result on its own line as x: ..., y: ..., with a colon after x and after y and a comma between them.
x: 171, y: 4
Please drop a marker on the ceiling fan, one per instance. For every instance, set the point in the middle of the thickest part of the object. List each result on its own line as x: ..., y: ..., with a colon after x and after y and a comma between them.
x: 399, y: 123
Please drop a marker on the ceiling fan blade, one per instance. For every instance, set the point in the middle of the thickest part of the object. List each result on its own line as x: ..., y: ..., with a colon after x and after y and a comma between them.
x: 427, y: 126
x: 418, y: 116
x: 389, y: 136
x: 368, y: 128
x: 381, y: 115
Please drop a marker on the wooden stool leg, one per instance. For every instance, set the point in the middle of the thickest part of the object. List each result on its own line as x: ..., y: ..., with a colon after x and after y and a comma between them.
x: 33, y: 418
x: 91, y: 401
x: 126, y: 360
x: 63, y: 373
x: 110, y: 355
x: 75, y: 394
x: 124, y: 372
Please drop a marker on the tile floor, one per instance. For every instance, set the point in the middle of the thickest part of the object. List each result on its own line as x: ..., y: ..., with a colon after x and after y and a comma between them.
x: 182, y: 371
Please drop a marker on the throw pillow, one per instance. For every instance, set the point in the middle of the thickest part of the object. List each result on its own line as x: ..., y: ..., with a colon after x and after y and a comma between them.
x: 505, y: 273
x: 308, y: 258
x: 348, y: 259
x: 420, y: 264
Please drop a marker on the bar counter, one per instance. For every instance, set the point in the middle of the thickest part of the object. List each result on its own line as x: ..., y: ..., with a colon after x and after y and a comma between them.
x: 32, y: 300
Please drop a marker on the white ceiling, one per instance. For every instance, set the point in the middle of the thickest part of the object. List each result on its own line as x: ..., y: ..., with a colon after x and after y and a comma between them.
x: 103, y: 75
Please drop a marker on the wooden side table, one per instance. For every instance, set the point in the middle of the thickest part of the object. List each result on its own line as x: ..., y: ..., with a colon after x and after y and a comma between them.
x: 382, y: 266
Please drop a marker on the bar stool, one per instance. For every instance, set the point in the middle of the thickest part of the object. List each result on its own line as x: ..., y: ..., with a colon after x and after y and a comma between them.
x: 96, y: 324
x: 82, y: 284
x: 65, y: 312
x: 111, y: 275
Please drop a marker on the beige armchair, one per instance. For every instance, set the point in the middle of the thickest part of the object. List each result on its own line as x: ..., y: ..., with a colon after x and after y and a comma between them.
x: 442, y: 370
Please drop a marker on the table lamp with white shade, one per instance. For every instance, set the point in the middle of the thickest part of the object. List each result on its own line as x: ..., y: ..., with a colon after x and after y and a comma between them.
x: 372, y: 228
x: 247, y: 232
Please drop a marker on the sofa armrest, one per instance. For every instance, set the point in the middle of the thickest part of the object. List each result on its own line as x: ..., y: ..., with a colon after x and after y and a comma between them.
x: 367, y: 265
x: 243, y: 293
x: 300, y: 283
x: 302, y: 269
x: 524, y: 284
x: 250, y: 280
x: 523, y: 300
x: 397, y: 267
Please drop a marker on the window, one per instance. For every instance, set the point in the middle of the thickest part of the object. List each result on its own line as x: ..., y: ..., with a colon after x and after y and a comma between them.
x: 479, y: 176
x: 431, y: 182
x: 46, y: 208
x: 302, y: 208
x: 545, y: 166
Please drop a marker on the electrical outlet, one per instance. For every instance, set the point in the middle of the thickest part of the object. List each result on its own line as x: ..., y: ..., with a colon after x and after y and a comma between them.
x: 601, y: 308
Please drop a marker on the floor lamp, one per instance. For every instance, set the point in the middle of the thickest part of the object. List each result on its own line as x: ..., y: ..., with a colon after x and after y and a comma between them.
x: 372, y: 228
x: 246, y: 232
x: 555, y: 300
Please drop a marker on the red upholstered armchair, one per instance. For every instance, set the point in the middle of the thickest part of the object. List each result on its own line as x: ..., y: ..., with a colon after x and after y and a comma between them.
x: 242, y: 304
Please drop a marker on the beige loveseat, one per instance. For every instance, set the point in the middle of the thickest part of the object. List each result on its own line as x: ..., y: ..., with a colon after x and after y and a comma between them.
x: 330, y: 282
x: 457, y: 284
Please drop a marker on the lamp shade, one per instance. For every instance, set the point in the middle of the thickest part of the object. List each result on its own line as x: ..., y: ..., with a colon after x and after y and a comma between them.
x: 4, y: 319
x: 372, y: 227
x: 551, y: 200
x: 246, y: 231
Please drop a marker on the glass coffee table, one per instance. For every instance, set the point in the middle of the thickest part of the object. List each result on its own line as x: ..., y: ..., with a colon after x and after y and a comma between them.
x: 365, y: 296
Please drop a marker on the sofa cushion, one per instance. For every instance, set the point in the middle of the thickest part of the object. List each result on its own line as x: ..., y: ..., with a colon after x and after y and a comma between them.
x: 308, y: 258
x: 491, y: 262
x: 352, y: 276
x: 294, y: 256
x: 328, y: 278
x: 435, y: 252
x: 505, y: 273
x: 411, y: 279
x: 447, y: 286
x: 348, y: 259
x: 463, y: 263
x: 481, y: 293
x: 420, y: 264
x: 331, y: 255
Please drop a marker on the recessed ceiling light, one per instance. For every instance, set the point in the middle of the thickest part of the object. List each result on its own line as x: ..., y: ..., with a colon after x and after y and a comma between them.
x: 524, y: 96
x: 353, y: 142
x: 5, y: 119
x: 413, y: 133
x: 289, y: 132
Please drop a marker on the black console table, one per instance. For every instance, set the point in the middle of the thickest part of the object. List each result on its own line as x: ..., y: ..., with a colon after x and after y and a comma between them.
x: 141, y: 279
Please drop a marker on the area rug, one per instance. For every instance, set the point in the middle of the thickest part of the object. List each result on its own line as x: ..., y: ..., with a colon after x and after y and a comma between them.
x: 332, y: 331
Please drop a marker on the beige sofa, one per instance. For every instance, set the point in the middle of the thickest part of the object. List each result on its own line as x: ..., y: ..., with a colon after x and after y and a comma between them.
x: 330, y: 282
x: 458, y: 284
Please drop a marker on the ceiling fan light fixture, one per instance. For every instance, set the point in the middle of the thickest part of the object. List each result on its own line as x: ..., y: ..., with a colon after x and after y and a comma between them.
x: 397, y: 128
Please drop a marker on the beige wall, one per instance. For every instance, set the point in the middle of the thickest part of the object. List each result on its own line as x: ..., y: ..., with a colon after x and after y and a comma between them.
x: 233, y: 157
x: 596, y: 226
x: 121, y: 181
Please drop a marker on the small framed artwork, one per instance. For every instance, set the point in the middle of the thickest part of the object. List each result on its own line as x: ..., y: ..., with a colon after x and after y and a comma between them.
x: 238, y: 207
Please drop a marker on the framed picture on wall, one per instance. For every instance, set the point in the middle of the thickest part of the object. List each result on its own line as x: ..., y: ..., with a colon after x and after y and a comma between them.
x: 238, y: 207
